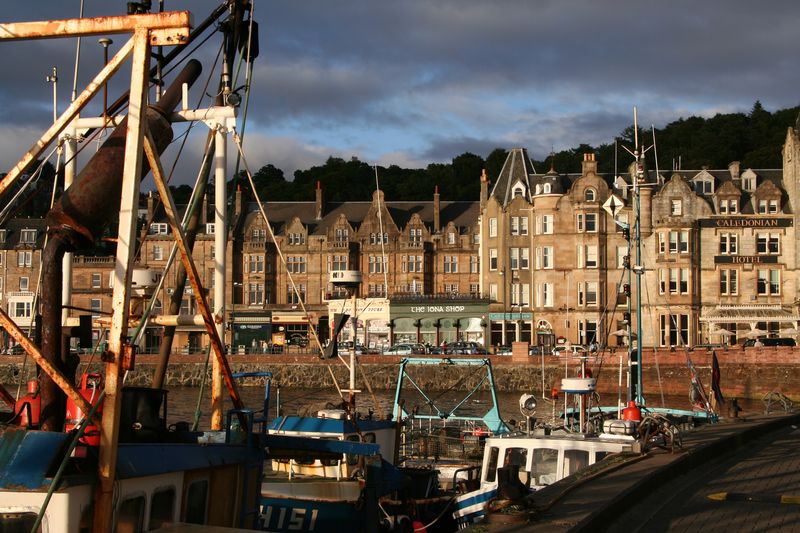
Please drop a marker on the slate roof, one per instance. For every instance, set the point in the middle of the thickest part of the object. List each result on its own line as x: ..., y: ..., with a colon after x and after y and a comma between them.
x: 517, y: 167
x: 13, y: 232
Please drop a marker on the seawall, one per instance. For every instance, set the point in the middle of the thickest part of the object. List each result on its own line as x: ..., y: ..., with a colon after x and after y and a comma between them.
x: 749, y: 373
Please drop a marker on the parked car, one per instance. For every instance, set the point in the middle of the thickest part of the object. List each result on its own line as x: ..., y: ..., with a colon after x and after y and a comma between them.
x: 534, y: 350
x: 504, y: 349
x: 405, y: 349
x: 298, y: 340
x: 573, y: 349
x: 465, y: 348
x: 770, y: 341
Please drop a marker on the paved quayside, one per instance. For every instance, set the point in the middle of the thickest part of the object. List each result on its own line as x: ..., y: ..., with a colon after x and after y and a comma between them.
x: 757, y: 456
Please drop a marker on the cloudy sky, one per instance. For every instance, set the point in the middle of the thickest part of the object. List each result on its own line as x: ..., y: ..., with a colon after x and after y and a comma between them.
x: 412, y: 82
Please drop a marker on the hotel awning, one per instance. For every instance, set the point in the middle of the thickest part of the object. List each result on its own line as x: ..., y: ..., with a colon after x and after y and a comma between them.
x: 748, y: 314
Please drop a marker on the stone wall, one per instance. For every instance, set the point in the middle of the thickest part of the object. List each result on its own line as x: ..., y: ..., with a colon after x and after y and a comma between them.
x: 750, y: 373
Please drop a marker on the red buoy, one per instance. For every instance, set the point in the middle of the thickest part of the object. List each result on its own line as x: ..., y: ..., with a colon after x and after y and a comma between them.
x: 631, y: 412
x: 554, y: 393
x: 29, y: 406
x: 90, y: 389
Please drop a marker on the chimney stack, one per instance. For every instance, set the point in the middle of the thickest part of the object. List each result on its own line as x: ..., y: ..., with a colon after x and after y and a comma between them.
x: 484, y: 189
x: 320, y: 204
x: 733, y: 168
x: 436, y: 210
x: 589, y: 165
x: 151, y: 207
x: 237, y: 202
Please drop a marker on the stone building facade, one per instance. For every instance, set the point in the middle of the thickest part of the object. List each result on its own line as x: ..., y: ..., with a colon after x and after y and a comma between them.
x: 535, y: 258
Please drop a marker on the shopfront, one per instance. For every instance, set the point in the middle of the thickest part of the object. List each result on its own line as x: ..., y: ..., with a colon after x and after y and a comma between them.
x: 372, y: 321
x: 435, y: 322
x: 251, y: 332
x: 510, y: 327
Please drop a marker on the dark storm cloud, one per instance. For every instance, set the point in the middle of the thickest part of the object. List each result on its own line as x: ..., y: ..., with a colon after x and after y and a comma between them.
x: 431, y: 80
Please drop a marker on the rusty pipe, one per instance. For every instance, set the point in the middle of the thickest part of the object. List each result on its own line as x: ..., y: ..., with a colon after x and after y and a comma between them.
x: 79, y: 219
x: 85, y: 209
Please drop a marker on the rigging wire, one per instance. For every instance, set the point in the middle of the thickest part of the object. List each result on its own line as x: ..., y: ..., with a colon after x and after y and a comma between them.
x: 282, y: 257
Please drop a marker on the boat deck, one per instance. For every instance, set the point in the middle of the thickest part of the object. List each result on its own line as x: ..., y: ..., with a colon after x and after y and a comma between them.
x: 754, y: 456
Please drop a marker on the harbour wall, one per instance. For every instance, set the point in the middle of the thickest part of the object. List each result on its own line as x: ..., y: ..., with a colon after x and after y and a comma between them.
x: 745, y: 373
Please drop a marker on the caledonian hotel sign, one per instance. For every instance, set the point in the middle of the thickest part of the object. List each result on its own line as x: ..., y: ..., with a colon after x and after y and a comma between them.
x: 731, y: 223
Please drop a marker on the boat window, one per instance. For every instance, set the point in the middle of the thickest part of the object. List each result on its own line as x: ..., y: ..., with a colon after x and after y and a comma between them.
x: 196, y: 502
x: 369, y: 438
x: 162, y: 508
x: 130, y: 515
x: 544, y: 469
x: 18, y: 522
x: 599, y: 456
x: 575, y: 460
x: 491, y: 472
x: 516, y: 456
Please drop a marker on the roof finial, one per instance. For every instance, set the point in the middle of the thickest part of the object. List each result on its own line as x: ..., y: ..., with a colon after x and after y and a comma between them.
x: 552, y: 160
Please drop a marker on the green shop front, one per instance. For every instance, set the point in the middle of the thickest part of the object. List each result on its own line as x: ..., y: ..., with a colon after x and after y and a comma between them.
x: 435, y: 322
x: 251, y: 332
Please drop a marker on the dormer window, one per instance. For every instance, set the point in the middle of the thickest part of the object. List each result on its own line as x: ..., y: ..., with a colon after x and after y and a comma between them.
x: 518, y: 191
x: 158, y: 228
x: 451, y: 238
x: 546, y: 188
x: 729, y: 207
x: 676, y: 207
x: 28, y: 236
x: 704, y: 186
x: 538, y: 188
x: 297, y: 238
x: 589, y: 195
x: 748, y: 180
x: 2, y: 236
x: 772, y: 207
x: 415, y: 235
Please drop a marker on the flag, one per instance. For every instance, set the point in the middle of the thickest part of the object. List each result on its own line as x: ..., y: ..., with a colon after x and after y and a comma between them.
x: 715, y: 375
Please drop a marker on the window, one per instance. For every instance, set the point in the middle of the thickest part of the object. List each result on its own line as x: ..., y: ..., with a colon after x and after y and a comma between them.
x: 728, y: 243
x: 130, y: 515
x: 493, y: 291
x: 768, y: 243
x: 674, y: 330
x: 474, y: 289
x: 96, y: 306
x: 683, y: 242
x: 673, y: 242
x: 587, y: 331
x: 23, y: 284
x: 547, y: 224
x: 27, y: 236
x: 579, y: 222
x: 196, y: 502
x: 474, y: 264
x: 97, y: 280
x: 255, y: 264
x: 492, y: 227
x: 545, y: 295
x: 544, y: 257
x: 591, y: 222
x: 662, y: 242
x: 451, y: 288
x: 524, y: 258
x: 493, y: 259
x: 519, y: 225
x: 158, y: 253
x: 622, y: 257
x: 296, y: 264
x: 259, y: 234
x: 340, y: 235
x: 587, y: 256
x: 24, y: 258
x: 162, y: 508
x: 451, y: 237
x: 768, y: 283
x: 547, y: 188
x: 20, y: 309
x: 762, y: 207
x: 412, y: 263
x: 589, y: 195
x: 513, y: 258
x: 729, y: 282
x: 730, y: 206
x: 255, y: 293
x: 684, y: 281
x: 587, y: 293
x: 773, y: 206
x: 296, y: 239
x: 377, y: 264
x: 337, y: 262
x: 676, y: 207
x: 291, y: 295
x: 159, y: 228
x: 450, y: 264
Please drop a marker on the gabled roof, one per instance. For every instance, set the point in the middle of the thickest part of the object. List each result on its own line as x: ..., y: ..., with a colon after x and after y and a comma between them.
x: 516, y: 169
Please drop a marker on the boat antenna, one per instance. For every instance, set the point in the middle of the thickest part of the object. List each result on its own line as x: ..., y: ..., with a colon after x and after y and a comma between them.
x: 77, y: 60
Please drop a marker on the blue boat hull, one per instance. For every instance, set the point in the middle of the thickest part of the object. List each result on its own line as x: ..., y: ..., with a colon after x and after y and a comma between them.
x: 280, y: 515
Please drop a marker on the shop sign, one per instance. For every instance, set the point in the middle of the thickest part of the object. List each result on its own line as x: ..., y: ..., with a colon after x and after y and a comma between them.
x: 745, y: 259
x: 746, y: 222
